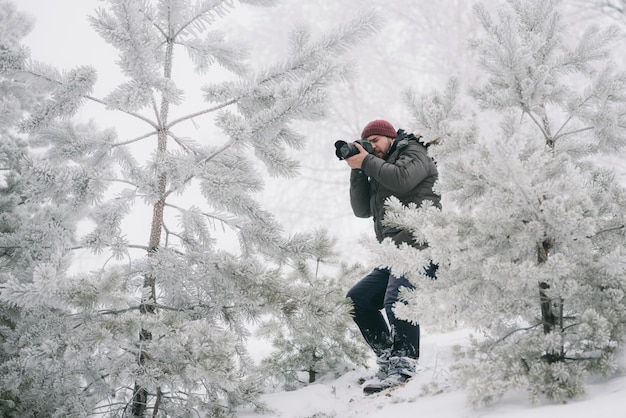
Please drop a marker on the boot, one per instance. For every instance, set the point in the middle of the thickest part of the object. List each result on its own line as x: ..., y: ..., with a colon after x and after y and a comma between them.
x: 400, y: 369
x: 383, y: 365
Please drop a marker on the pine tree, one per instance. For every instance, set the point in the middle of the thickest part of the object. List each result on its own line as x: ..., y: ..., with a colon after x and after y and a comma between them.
x: 21, y: 216
x: 158, y: 327
x: 531, y: 245
x: 314, y: 333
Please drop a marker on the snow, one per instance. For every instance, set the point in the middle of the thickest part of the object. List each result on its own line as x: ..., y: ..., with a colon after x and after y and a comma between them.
x: 343, y: 397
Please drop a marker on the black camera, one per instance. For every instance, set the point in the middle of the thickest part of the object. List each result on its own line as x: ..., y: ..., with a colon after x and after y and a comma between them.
x: 345, y: 149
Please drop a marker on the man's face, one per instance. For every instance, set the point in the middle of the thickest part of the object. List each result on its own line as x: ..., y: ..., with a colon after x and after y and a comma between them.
x: 381, y: 144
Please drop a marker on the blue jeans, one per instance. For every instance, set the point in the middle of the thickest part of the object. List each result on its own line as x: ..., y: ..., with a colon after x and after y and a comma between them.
x: 370, y: 295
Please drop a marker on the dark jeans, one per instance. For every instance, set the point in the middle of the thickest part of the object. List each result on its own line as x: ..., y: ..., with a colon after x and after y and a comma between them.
x: 370, y: 295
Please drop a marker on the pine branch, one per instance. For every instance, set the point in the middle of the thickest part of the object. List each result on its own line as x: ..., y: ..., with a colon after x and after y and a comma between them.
x: 201, y: 13
x: 120, y: 181
x: 577, y: 131
x: 500, y: 340
x: 206, y: 160
x: 130, y: 141
x: 156, y: 111
x: 136, y: 115
x: 200, y: 113
x: 539, y: 125
x: 169, y: 232
x: 160, y: 306
x: 581, y: 104
x: 119, y: 311
x: 138, y: 247
x: 208, y: 215
x: 617, y: 228
x: 189, y: 308
x: 156, y: 25
x: 106, y: 407
x: 94, y: 99
x: 157, y: 402
x: 181, y: 143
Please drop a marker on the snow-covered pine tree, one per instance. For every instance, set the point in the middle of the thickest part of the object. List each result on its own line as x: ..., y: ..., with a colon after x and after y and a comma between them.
x: 13, y: 99
x: 159, y: 327
x: 531, y: 246
x: 314, y: 333
x: 29, y: 230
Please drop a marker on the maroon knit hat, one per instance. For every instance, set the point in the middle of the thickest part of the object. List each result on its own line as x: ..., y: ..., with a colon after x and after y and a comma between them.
x: 379, y: 127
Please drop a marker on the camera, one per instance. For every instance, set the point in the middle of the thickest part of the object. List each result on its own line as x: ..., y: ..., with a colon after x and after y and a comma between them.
x: 345, y: 149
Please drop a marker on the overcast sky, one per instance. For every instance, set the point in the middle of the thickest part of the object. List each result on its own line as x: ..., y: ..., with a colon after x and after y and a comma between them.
x: 62, y: 23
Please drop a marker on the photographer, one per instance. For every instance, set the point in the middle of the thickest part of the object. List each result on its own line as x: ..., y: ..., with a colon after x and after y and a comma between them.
x: 397, y: 164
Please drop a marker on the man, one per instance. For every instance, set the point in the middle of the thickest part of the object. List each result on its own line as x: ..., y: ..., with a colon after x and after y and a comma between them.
x: 399, y: 166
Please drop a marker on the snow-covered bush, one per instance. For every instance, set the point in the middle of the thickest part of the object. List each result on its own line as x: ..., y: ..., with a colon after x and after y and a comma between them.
x: 531, y: 243
x: 159, y: 325
x: 314, y: 334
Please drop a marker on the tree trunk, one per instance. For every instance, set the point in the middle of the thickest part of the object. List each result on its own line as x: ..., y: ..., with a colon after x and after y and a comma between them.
x: 551, y: 309
x: 148, y: 302
x: 140, y: 396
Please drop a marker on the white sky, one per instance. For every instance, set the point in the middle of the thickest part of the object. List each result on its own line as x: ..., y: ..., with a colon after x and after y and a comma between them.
x: 63, y: 23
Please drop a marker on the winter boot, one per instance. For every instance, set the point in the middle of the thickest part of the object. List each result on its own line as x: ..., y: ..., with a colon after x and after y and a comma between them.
x: 400, y: 369
x: 383, y: 366
x: 402, y: 365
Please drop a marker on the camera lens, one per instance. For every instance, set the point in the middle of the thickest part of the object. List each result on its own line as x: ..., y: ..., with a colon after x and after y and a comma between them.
x: 345, y: 150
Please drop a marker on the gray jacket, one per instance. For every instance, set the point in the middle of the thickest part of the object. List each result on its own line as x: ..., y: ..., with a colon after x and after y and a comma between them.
x: 407, y: 172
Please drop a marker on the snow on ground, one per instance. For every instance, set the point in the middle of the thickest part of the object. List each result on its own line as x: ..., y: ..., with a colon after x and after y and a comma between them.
x: 343, y: 397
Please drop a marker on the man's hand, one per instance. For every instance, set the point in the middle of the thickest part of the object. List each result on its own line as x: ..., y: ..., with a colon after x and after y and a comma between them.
x: 356, y: 161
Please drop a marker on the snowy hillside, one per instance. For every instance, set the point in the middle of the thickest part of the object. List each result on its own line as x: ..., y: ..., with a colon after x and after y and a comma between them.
x: 431, y: 395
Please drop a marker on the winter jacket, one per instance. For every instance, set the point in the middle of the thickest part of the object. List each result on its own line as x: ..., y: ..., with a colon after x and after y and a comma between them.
x: 407, y: 172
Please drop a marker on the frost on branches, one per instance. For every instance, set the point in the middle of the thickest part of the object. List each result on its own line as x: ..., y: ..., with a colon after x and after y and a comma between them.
x: 313, y: 335
x: 159, y: 326
x: 531, y: 246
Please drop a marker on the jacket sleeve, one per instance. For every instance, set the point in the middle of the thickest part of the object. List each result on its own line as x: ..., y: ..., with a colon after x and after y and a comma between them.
x: 360, y: 194
x: 402, y: 176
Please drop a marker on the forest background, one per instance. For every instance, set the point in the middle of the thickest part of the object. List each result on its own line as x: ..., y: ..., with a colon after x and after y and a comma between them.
x: 418, y: 46
x: 421, y: 45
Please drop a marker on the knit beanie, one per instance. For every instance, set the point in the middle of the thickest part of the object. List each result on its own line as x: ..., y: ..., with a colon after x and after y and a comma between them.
x: 379, y: 127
